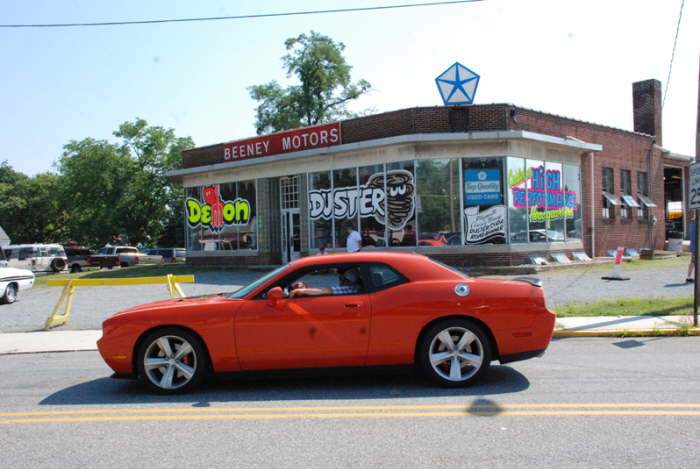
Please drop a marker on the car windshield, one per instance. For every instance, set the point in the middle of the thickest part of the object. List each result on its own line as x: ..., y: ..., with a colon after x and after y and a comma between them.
x: 451, y: 268
x: 252, y: 286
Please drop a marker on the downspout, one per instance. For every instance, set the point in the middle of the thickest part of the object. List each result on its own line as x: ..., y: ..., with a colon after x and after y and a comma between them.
x: 593, y: 198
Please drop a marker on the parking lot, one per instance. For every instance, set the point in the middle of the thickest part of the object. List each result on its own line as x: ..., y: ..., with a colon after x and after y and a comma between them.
x: 92, y: 305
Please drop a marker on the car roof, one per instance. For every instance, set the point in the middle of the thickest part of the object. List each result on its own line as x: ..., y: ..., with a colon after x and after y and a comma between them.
x: 414, y: 266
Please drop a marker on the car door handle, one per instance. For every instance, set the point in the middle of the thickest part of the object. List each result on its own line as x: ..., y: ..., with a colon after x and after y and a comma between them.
x: 353, y: 305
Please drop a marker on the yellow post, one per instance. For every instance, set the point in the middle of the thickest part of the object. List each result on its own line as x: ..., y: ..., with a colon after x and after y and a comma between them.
x: 56, y: 319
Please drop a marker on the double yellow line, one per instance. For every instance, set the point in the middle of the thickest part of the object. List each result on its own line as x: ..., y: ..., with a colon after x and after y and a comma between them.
x: 352, y: 412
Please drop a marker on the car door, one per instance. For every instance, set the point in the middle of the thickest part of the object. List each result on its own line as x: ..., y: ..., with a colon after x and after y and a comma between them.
x: 300, y: 332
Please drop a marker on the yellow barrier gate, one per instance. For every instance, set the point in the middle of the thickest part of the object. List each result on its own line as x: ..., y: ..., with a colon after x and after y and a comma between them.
x: 172, y: 281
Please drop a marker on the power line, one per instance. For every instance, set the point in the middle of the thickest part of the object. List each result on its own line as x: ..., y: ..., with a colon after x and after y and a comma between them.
x: 237, y: 17
x: 673, y: 53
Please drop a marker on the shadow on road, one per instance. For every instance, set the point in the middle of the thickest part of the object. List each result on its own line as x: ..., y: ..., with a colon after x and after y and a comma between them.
x: 290, y: 386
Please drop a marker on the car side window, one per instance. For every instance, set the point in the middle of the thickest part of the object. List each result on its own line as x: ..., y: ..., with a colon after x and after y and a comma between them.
x: 382, y: 276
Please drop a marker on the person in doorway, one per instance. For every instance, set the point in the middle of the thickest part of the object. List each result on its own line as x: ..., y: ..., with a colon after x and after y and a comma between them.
x: 693, y: 237
x: 348, y: 284
x: 353, y: 242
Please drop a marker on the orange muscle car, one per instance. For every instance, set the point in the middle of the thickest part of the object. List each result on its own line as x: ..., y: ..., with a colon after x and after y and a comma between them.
x: 353, y: 309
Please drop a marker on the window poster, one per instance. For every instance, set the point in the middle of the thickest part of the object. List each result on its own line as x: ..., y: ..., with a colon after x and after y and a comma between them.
x: 484, y: 209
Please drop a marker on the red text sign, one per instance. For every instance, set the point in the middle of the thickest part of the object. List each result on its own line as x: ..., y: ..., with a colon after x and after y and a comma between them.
x: 284, y: 142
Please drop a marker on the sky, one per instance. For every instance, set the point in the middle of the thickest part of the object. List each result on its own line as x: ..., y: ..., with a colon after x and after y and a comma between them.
x: 572, y: 58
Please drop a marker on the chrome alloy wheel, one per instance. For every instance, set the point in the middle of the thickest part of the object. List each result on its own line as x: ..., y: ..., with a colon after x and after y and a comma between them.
x: 456, y: 354
x: 170, y: 362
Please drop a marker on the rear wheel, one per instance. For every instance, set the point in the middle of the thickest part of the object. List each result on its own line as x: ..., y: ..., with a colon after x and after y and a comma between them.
x: 57, y: 264
x: 454, y: 352
x: 9, y: 295
x: 172, y: 360
x: 75, y: 268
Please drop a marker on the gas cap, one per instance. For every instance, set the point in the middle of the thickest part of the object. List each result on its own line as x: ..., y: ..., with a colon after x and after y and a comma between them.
x: 461, y: 289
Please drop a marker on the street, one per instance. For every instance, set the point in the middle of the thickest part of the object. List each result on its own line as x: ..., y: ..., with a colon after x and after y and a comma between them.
x: 606, y: 402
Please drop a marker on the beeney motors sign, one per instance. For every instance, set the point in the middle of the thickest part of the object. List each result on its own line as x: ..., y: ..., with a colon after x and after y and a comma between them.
x: 284, y: 142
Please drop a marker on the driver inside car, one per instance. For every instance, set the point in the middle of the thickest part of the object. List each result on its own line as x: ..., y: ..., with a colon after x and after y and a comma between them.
x: 349, y: 284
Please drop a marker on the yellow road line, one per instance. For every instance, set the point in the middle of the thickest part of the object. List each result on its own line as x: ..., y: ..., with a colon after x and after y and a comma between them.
x: 356, y: 415
x: 465, y: 407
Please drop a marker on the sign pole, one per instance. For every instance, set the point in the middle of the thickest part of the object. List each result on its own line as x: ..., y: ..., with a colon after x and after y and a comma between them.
x: 696, y: 290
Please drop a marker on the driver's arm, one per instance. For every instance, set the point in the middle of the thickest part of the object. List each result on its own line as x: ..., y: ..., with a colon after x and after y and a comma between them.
x: 310, y: 291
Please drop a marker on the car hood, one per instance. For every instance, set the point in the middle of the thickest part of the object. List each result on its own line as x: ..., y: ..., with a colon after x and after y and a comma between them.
x: 181, y: 304
x: 7, y: 272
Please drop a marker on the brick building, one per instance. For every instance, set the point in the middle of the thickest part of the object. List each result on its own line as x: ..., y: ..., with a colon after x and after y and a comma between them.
x: 471, y: 185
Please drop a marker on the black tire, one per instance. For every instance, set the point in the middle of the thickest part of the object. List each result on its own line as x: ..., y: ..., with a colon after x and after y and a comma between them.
x: 9, y: 296
x: 57, y: 264
x: 75, y: 268
x: 443, y: 358
x: 123, y: 265
x: 172, y: 377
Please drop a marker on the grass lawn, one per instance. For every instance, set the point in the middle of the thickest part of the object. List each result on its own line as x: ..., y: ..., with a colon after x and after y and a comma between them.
x: 157, y: 270
x: 630, y: 307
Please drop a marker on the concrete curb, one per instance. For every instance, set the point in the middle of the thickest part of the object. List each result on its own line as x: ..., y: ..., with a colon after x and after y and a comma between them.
x: 628, y: 333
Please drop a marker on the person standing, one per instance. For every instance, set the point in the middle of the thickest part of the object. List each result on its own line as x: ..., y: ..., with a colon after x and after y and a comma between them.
x: 353, y: 242
x: 693, y: 237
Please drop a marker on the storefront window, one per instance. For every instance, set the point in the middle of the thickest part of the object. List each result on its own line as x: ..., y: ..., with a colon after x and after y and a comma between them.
x: 438, y: 202
x: 484, y: 206
x: 401, y: 203
x: 320, y: 210
x: 517, y: 200
x: 344, y: 203
x: 555, y: 206
x: 221, y: 217
x: 536, y: 201
x: 572, y: 190
x: 372, y: 206
x: 248, y: 232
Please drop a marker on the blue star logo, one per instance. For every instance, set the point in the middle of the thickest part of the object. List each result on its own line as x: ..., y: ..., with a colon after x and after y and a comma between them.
x: 457, y: 85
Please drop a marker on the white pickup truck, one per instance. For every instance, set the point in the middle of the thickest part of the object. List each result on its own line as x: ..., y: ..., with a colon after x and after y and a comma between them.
x: 122, y: 256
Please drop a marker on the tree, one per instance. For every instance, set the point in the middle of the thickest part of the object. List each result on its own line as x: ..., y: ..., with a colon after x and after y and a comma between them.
x: 30, y: 210
x: 122, y: 188
x: 323, y: 93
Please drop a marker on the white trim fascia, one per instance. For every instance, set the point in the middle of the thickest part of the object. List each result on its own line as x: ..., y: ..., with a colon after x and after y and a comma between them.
x: 447, y: 137
x: 676, y: 156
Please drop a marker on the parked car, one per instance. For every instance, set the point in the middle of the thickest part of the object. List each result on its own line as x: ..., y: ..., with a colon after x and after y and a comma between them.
x: 169, y: 255
x: 77, y: 257
x: 402, y: 309
x: 121, y: 256
x: 12, y: 280
x: 36, y: 257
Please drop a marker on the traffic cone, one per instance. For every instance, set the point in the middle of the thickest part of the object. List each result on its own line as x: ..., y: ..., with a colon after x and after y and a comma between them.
x: 617, y: 274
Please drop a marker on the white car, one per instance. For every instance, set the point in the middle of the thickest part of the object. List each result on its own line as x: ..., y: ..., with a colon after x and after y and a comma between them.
x: 13, y: 280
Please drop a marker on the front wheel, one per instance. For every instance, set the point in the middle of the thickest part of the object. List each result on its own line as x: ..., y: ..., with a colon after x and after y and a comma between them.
x: 172, y: 360
x: 10, y: 294
x: 454, y: 352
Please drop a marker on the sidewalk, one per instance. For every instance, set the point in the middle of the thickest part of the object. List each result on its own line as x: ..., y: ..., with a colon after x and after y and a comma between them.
x: 599, y: 326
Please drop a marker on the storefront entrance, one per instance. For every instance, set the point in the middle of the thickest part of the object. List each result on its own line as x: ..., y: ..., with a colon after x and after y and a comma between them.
x: 291, y: 239
x: 290, y: 218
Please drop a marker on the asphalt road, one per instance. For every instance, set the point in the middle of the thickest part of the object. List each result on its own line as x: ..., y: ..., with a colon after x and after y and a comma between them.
x: 587, y: 403
x: 92, y: 305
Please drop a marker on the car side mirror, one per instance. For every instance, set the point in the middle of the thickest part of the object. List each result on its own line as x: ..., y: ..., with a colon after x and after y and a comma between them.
x: 274, y: 295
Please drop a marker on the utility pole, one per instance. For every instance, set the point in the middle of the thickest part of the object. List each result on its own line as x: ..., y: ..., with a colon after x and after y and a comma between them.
x: 697, y: 211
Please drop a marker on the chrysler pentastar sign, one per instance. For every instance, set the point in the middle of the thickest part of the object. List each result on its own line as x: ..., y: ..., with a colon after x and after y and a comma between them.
x: 457, y: 85
x: 284, y: 142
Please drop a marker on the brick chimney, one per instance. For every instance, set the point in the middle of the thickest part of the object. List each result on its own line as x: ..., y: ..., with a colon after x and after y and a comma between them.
x: 646, y: 99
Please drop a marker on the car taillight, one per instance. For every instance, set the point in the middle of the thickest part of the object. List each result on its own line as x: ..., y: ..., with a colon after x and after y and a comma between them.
x: 119, y: 260
x: 137, y: 260
x: 174, y: 260
x: 89, y: 261
x: 33, y: 261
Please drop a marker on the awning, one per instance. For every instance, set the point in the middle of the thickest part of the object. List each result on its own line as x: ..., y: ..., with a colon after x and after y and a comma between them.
x: 629, y: 201
x: 611, y: 198
x: 646, y: 201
